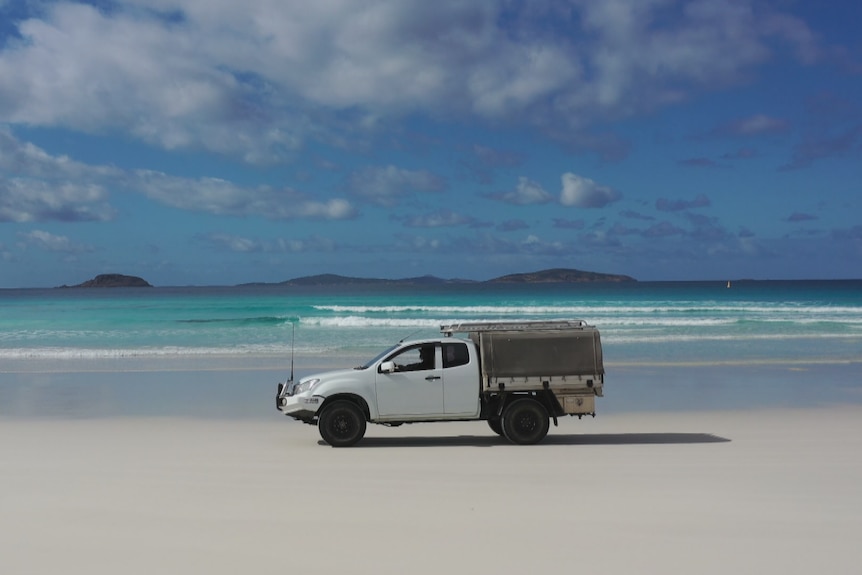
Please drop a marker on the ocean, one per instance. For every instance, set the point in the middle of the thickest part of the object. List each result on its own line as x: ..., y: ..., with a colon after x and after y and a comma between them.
x: 219, y: 351
x: 641, y: 323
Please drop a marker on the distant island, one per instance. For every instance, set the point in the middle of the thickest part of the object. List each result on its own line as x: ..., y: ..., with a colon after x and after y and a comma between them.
x: 556, y: 275
x: 560, y: 275
x: 111, y: 281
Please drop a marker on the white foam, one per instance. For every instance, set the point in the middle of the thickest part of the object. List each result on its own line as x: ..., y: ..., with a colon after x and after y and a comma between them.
x: 651, y: 308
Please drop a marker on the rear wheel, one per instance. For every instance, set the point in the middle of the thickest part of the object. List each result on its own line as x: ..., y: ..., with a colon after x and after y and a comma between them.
x: 525, y: 421
x: 496, y: 426
x: 341, y: 424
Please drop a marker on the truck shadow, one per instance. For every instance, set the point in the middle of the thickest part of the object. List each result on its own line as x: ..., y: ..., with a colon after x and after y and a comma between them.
x: 569, y: 439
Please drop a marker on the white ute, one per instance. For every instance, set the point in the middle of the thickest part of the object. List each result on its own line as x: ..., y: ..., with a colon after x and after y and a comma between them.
x: 514, y: 375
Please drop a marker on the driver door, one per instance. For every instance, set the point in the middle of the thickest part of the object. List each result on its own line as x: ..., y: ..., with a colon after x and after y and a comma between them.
x: 415, y: 388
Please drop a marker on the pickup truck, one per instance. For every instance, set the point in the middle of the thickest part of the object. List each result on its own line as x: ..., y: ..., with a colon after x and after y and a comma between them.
x: 514, y: 375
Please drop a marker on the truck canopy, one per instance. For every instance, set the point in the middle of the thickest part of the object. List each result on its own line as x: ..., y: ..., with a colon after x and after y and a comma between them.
x: 521, y: 354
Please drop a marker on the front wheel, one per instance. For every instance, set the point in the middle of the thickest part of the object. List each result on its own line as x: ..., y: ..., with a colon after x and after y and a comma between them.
x: 525, y: 421
x: 341, y: 424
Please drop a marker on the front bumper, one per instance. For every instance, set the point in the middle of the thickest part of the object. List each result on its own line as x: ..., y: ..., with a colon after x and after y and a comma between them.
x: 302, y: 407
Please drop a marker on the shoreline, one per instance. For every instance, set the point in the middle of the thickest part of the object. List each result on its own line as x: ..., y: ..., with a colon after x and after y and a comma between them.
x: 247, y: 391
x: 307, y: 363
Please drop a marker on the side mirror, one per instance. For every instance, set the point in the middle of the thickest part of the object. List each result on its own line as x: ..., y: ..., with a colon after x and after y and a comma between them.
x: 387, y: 367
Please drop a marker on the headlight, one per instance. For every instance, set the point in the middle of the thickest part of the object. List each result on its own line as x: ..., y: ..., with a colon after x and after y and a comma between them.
x: 306, y: 386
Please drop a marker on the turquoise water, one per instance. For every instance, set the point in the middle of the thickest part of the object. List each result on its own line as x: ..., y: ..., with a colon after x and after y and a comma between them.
x: 640, y: 323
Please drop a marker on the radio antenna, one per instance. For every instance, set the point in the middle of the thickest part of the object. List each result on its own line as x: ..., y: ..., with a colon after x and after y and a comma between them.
x: 292, y: 346
x: 411, y: 334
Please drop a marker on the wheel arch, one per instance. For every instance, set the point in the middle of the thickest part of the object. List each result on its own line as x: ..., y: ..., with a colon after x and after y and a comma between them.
x: 495, y: 406
x: 353, y: 398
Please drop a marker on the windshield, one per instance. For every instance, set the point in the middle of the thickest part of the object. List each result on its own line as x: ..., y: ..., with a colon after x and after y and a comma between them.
x: 378, y: 357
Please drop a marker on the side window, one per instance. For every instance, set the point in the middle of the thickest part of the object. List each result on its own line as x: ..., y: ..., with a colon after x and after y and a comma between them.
x: 415, y: 358
x: 455, y: 354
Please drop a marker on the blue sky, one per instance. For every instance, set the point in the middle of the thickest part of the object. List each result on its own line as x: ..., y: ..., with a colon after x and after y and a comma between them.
x: 216, y: 142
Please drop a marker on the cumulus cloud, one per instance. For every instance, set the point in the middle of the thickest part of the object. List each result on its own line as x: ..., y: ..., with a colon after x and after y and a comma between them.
x: 24, y: 200
x: 577, y: 191
x: 221, y: 197
x: 526, y: 192
x: 35, y: 186
x: 256, y: 79
x: 583, y: 192
x: 150, y: 83
x: 234, y: 243
x: 386, y: 186
x: 25, y: 160
x: 52, y: 242
x: 800, y: 217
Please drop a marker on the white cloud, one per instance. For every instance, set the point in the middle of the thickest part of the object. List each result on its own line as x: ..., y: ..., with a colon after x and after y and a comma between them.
x: 221, y: 197
x: 385, y: 186
x: 36, y: 186
x: 335, y: 209
x: 26, y: 200
x: 255, y: 79
x: 53, y: 243
x: 87, y: 70
x: 526, y: 192
x: 233, y: 243
x: 24, y: 159
x: 585, y: 193
x: 310, y: 244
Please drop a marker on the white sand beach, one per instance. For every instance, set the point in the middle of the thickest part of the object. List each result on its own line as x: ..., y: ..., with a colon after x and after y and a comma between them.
x: 741, y: 491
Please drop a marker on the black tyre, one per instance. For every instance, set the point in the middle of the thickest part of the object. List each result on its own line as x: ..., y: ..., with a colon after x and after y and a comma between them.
x: 525, y: 421
x: 496, y: 426
x: 341, y: 424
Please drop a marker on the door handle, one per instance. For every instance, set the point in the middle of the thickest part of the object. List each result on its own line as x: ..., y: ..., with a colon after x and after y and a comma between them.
x: 432, y: 377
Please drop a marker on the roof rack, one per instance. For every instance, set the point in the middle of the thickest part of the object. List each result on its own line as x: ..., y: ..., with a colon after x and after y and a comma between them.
x: 548, y: 325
